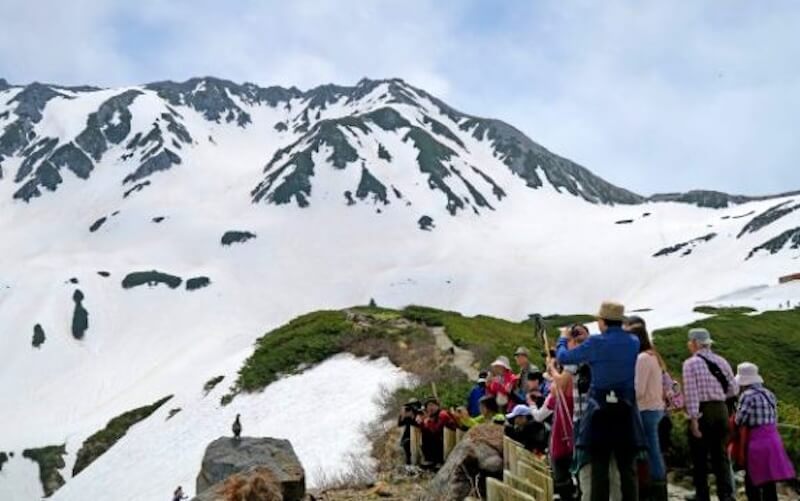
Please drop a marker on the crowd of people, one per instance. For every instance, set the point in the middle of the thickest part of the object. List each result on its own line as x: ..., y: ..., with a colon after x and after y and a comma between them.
x: 601, y: 410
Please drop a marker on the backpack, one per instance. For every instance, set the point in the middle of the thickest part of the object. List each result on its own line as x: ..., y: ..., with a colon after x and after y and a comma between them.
x: 673, y: 396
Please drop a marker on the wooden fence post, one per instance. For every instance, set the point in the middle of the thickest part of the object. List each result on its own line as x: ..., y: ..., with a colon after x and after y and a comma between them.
x: 449, y: 441
x: 416, y: 446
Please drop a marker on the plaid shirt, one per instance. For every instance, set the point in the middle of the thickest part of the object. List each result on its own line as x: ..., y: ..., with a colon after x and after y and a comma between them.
x: 580, y: 400
x: 757, y: 406
x: 699, y: 385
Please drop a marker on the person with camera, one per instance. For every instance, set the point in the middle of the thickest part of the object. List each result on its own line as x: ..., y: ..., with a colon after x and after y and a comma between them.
x: 708, y: 384
x: 502, y: 383
x: 611, y: 425
x: 407, y: 419
x: 432, y: 424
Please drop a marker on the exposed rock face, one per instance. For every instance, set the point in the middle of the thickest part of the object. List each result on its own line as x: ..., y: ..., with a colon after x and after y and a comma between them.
x: 481, y: 452
x: 267, y: 464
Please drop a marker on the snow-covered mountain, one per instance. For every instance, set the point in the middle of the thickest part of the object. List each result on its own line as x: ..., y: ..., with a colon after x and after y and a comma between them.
x: 150, y: 234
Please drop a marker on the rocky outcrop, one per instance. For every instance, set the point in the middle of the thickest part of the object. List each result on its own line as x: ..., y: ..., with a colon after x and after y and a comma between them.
x: 267, y: 466
x: 477, y: 456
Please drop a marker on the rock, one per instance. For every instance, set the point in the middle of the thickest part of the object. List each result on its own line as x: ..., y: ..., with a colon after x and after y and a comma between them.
x: 256, y: 484
x: 268, y: 465
x: 480, y: 452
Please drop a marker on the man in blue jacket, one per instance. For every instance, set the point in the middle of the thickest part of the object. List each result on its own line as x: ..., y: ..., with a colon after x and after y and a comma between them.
x: 612, y: 424
x: 477, y: 393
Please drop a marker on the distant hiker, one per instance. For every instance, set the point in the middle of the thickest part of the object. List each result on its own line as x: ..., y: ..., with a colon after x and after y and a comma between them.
x: 522, y: 428
x: 490, y: 413
x: 432, y: 425
x: 502, y: 383
x: 707, y: 383
x: 611, y: 424
x: 477, y: 393
x: 237, y: 428
x: 178, y: 495
x: 525, y: 368
x: 766, y: 459
x: 650, y: 400
x: 407, y: 419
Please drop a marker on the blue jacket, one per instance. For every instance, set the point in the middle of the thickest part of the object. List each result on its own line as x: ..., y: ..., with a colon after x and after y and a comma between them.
x: 473, y: 402
x: 612, y: 358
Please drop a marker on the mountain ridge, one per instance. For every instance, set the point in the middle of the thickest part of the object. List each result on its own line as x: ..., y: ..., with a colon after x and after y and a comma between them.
x: 222, y: 101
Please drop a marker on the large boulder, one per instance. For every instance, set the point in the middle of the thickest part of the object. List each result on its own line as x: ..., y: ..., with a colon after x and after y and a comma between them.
x: 477, y: 456
x: 267, y: 466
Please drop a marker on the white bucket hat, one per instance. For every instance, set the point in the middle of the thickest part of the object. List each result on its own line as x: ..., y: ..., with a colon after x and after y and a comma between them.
x: 502, y: 361
x: 747, y: 374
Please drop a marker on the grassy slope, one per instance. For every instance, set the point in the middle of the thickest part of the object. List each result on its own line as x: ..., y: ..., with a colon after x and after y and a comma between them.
x: 311, y: 338
x: 771, y: 340
x: 97, y: 444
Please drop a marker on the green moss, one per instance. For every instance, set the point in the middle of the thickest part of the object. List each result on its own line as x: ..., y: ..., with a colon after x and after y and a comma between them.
x: 212, y: 383
x: 308, y: 339
x: 50, y: 459
x: 713, y: 310
x: 97, y: 444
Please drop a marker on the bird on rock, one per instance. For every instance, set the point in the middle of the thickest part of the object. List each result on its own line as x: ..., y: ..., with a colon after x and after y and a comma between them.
x: 237, y: 428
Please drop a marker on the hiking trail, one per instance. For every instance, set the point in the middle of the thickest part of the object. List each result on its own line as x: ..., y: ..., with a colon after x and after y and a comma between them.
x: 463, y: 359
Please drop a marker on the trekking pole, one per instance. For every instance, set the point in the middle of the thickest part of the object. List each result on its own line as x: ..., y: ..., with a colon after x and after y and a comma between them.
x: 540, y: 332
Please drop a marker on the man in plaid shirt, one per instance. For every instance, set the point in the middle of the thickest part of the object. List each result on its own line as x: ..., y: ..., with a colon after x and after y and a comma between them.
x: 705, y: 396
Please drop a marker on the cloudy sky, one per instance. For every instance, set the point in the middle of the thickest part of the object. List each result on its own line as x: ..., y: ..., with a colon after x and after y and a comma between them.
x: 652, y: 95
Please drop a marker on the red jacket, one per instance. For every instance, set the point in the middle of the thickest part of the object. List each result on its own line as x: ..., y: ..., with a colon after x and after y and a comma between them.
x: 504, y: 386
x: 431, y: 425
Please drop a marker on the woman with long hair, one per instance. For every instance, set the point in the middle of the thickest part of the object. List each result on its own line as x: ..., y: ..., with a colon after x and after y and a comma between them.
x: 650, y: 400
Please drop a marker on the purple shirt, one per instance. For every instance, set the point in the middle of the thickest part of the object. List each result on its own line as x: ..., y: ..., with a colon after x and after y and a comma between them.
x: 699, y: 385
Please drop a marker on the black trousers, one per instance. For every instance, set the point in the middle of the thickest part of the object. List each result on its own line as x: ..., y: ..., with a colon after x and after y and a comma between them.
x: 406, y: 443
x: 612, y: 435
x: 562, y: 478
x: 766, y: 492
x: 714, y: 428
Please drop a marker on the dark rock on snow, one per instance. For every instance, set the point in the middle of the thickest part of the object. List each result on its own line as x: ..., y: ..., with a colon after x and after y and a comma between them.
x: 197, y: 283
x: 150, y: 278
x: 236, y: 237
x: 80, y: 316
x: 38, y: 336
x: 97, y: 224
x: 267, y: 462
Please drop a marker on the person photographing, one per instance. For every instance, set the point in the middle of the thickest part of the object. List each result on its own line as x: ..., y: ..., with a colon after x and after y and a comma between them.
x: 611, y: 424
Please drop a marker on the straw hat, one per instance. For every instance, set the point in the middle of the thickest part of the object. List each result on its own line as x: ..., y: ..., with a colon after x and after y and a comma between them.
x: 610, y: 310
